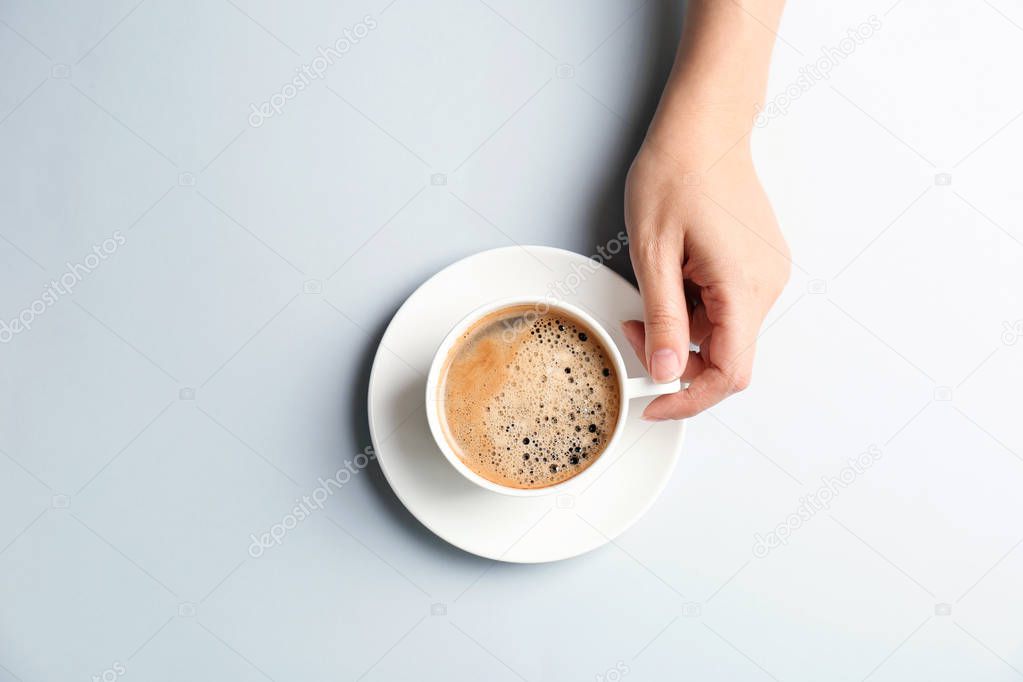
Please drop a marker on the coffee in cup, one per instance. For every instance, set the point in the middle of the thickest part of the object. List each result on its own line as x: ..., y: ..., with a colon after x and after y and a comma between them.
x: 529, y: 396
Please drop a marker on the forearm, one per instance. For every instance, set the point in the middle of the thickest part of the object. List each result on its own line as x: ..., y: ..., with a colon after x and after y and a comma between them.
x: 720, y: 72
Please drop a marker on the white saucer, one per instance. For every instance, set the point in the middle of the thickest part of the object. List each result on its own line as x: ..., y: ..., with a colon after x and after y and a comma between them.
x: 515, y: 529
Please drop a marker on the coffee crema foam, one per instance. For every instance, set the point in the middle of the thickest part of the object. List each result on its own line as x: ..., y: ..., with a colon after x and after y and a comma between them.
x: 529, y: 400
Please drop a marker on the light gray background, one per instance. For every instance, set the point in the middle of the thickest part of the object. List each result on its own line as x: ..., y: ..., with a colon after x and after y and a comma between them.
x: 261, y: 265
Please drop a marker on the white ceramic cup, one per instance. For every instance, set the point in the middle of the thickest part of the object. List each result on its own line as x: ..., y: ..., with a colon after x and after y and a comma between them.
x: 637, y: 387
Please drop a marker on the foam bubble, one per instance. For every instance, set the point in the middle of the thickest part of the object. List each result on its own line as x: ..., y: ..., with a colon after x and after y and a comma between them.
x: 516, y: 389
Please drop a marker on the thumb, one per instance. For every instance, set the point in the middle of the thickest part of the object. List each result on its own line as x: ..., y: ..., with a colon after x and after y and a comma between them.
x: 665, y: 315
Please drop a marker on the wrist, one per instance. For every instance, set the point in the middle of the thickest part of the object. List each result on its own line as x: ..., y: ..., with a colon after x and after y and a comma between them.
x: 702, y: 130
x: 720, y: 74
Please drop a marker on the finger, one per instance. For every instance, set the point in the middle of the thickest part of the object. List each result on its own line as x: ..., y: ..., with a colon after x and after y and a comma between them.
x: 699, y: 326
x: 665, y: 316
x: 694, y: 366
x: 729, y: 365
x: 636, y: 336
x: 708, y: 388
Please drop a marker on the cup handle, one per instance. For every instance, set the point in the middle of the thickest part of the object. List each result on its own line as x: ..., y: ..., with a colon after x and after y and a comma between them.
x: 641, y: 387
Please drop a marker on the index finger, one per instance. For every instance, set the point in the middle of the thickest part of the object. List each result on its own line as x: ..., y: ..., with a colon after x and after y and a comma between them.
x: 728, y: 367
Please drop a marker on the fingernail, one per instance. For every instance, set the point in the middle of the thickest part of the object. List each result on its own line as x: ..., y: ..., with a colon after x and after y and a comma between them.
x: 647, y: 418
x: 664, y: 365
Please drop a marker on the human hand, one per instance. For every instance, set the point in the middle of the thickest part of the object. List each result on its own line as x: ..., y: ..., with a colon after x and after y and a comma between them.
x: 709, y: 258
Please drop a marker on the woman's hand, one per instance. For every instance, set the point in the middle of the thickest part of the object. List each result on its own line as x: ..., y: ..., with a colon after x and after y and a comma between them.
x: 709, y: 258
x: 704, y: 242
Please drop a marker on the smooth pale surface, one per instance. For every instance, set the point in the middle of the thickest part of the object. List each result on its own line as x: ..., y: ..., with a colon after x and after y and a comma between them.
x: 97, y: 426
